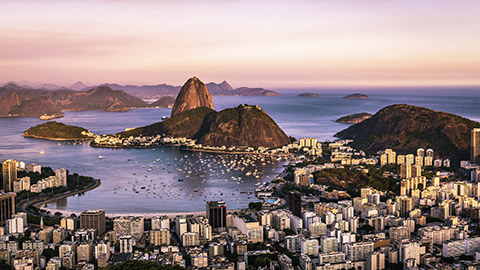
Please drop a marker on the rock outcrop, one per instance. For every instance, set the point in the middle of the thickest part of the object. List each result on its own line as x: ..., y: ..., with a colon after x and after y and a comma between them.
x: 8, y: 102
x: 194, y: 94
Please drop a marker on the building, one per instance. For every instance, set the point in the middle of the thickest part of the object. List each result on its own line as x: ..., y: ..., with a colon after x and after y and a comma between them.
x: 160, y: 237
x: 190, y: 239
x: 358, y: 251
x: 162, y: 222
x: 250, y: 227
x: 126, y: 243
x: 32, y: 167
x: 180, y: 226
x: 406, y: 170
x: 409, y: 250
x: 9, y: 174
x: 375, y: 261
x: 93, y: 219
x: 295, y: 203
x: 475, y: 146
x: 68, y: 223
x: 61, y: 175
x: 7, y: 207
x: 309, y: 247
x: 85, y: 252
x: 129, y: 225
x: 217, y: 215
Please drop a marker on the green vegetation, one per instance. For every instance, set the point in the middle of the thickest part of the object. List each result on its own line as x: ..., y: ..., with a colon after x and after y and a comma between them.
x: 255, y: 205
x: 352, y: 179
x: 56, y: 130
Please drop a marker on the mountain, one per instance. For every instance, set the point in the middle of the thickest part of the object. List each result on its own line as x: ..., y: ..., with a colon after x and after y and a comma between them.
x: 163, y: 102
x: 194, y: 94
x: 147, y: 91
x: 241, y: 126
x: 356, y: 96
x: 78, y: 86
x: 354, y: 118
x: 102, y: 98
x: 405, y: 128
x: 186, y: 124
x: 13, y: 105
x: 221, y: 89
x: 99, y: 98
x: 56, y: 131
x: 8, y: 102
x: 308, y: 95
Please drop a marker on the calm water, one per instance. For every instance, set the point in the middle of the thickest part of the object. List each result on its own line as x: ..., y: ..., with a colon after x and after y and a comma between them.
x: 158, y: 170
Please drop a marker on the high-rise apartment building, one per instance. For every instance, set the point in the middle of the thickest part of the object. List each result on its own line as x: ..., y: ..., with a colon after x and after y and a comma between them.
x: 93, y: 219
x: 295, y: 203
x: 475, y: 146
x: 9, y: 173
x: 217, y: 215
x: 7, y: 206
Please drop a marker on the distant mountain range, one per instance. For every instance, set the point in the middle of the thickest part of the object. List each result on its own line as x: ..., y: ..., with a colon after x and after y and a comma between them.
x: 152, y: 91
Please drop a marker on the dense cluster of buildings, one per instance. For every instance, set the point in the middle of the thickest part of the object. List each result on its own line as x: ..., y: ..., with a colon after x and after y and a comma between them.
x: 431, y: 221
x: 11, y: 183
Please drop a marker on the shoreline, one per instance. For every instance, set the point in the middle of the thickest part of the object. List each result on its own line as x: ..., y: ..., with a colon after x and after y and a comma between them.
x: 145, y: 215
x: 56, y: 139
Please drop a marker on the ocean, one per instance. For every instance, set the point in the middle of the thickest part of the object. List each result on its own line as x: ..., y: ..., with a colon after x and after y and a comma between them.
x: 147, y: 180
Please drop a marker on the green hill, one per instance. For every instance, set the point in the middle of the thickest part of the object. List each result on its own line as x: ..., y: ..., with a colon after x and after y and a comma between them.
x: 405, y: 128
x: 56, y: 131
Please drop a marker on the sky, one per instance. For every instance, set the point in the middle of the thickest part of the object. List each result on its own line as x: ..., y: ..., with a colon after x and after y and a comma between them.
x: 275, y: 44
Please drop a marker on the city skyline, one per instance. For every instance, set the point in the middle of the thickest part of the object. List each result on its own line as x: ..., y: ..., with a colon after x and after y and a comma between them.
x: 268, y: 44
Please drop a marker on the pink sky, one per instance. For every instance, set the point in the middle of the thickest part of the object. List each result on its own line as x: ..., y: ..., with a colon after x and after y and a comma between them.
x: 253, y: 43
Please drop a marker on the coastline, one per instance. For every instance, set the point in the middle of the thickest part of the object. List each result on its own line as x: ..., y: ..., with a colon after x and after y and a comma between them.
x: 56, y: 139
x: 145, y: 215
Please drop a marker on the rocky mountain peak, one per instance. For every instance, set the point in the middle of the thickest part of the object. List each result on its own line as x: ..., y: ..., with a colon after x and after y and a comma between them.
x: 194, y: 94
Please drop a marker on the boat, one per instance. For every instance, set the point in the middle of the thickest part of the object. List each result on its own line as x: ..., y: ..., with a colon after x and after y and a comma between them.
x: 101, y: 157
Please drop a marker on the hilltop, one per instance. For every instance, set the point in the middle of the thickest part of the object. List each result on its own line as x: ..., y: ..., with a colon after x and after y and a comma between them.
x: 57, y: 131
x: 241, y: 126
x: 405, y: 128
x: 194, y: 94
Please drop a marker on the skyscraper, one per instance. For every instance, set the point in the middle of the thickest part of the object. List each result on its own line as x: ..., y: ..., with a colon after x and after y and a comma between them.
x: 295, y: 203
x: 93, y: 219
x: 7, y: 206
x: 217, y: 215
x: 475, y: 146
x: 9, y: 173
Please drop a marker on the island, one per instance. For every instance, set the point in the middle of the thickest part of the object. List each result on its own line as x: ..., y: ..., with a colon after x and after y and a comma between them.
x: 308, y: 95
x: 354, y: 118
x: 56, y: 131
x: 356, y: 96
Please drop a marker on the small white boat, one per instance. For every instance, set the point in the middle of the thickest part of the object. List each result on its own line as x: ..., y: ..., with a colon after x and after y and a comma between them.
x: 101, y: 157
